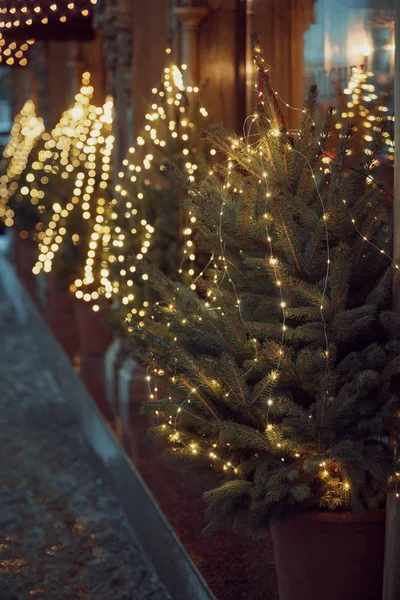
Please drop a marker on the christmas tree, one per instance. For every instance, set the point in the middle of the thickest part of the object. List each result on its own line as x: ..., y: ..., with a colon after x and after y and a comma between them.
x: 26, y: 130
x: 70, y: 170
x: 148, y: 214
x: 362, y: 105
x: 282, y: 365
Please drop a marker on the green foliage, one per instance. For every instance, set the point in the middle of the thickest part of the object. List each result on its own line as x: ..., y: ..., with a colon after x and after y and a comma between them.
x: 283, y: 364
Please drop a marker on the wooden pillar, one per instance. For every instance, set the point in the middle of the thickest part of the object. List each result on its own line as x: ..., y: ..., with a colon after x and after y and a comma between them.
x: 114, y: 20
x: 391, y: 587
x: 251, y: 95
x: 221, y: 47
x: 105, y: 21
x: 150, y: 39
x: 281, y: 27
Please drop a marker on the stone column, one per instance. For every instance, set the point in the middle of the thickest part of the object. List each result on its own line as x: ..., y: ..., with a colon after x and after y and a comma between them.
x: 75, y: 67
x: 39, y: 70
x: 190, y: 17
x: 113, y: 19
x: 173, y: 31
x: 105, y: 20
x: 123, y: 94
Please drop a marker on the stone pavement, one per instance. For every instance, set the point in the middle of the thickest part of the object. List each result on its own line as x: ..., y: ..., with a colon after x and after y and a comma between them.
x: 63, y: 535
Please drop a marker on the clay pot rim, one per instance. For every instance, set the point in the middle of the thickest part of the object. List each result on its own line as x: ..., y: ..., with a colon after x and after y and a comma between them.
x: 326, y: 516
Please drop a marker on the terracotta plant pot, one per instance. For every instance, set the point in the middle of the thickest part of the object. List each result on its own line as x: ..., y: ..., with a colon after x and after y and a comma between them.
x: 94, y: 337
x: 330, y: 556
x: 91, y: 370
x: 60, y: 315
x: 131, y: 393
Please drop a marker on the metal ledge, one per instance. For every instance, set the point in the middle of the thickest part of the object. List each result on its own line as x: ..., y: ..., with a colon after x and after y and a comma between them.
x: 164, y: 550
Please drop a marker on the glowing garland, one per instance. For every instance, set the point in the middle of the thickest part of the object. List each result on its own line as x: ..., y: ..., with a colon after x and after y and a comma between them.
x: 29, y: 12
x: 14, y: 53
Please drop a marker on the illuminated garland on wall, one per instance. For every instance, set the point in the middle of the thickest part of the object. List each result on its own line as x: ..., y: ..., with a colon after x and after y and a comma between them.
x: 25, y: 15
x: 14, y: 53
x: 29, y: 12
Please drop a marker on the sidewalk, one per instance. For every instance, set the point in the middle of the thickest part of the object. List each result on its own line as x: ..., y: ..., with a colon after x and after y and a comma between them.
x: 63, y: 534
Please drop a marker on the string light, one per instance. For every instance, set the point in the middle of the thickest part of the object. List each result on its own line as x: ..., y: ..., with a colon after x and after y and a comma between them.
x: 62, y: 156
x: 27, y: 13
x: 174, y: 437
x: 194, y: 448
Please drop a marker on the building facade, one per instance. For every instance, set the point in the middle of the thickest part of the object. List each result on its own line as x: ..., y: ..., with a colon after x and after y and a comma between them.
x: 304, y: 41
